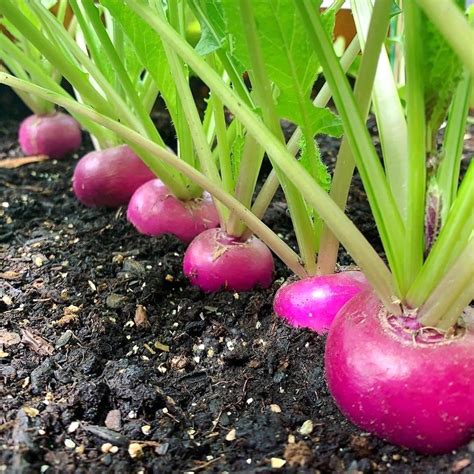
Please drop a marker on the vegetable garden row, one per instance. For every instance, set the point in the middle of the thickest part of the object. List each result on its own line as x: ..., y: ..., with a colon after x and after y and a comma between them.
x: 399, y: 358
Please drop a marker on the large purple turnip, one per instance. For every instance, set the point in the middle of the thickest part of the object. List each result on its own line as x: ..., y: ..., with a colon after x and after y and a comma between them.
x: 314, y: 302
x: 54, y: 135
x: 215, y: 260
x: 410, y: 385
x: 154, y: 211
x: 109, y: 177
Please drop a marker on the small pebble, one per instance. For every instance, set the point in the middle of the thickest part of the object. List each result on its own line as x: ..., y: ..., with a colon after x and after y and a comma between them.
x: 135, y: 450
x: 277, y: 463
x: 141, y: 316
x: 73, y: 427
x: 162, y: 449
x: 115, y: 301
x: 31, y: 412
x: 306, y: 428
x: 105, y: 448
x: 231, y: 435
x: 69, y: 443
x: 113, y: 420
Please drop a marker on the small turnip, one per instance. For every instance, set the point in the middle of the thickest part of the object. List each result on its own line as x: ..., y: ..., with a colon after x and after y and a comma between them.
x: 109, y: 177
x: 54, y: 135
x: 314, y: 302
x: 215, y: 260
x: 410, y: 385
x: 154, y: 211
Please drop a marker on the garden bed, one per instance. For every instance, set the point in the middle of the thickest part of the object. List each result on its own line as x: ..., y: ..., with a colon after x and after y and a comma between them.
x: 108, y: 343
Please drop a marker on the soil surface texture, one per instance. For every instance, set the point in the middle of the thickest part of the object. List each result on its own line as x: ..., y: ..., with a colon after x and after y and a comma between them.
x: 111, y: 362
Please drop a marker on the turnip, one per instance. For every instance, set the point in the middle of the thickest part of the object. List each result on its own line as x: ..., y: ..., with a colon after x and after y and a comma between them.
x: 411, y: 386
x: 216, y: 260
x: 154, y: 210
x: 109, y: 177
x: 55, y: 135
x: 314, y: 302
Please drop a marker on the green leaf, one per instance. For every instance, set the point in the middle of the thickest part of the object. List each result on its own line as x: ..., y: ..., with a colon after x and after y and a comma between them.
x: 442, y: 69
x: 290, y: 61
x: 147, y: 45
x: 211, y: 19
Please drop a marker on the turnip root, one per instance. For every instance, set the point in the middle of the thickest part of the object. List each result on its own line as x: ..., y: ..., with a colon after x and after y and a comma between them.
x: 216, y: 260
x: 410, y: 385
x: 314, y: 302
x: 109, y: 177
x: 54, y: 135
x: 154, y: 211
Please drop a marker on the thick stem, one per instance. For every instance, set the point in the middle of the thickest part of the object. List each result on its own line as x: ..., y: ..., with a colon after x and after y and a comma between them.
x: 447, y: 175
x: 250, y: 164
x: 416, y: 185
x: 122, y: 76
x: 451, y: 240
x: 302, y: 223
x: 223, y: 148
x: 457, y: 290
x: 391, y: 122
x: 377, y: 32
x: 384, y: 208
x: 196, y: 129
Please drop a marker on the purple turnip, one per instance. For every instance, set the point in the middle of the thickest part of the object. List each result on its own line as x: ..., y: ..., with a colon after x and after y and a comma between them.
x: 109, y: 177
x: 216, y: 260
x: 413, y: 386
x: 154, y: 211
x: 54, y: 135
x: 314, y: 302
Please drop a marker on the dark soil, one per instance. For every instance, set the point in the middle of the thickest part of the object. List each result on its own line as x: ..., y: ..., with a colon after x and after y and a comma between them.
x: 115, y: 364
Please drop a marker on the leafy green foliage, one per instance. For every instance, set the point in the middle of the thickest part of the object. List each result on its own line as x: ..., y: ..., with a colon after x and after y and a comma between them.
x: 211, y: 19
x: 291, y: 65
x: 442, y: 69
x: 147, y: 45
x: 290, y: 60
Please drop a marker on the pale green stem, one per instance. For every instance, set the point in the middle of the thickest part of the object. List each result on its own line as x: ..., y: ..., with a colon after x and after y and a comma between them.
x: 302, y: 223
x: 391, y: 123
x: 250, y: 164
x: 196, y: 129
x: 345, y: 164
x: 416, y: 184
x: 223, y: 148
x: 451, y: 240
x: 447, y: 175
x: 452, y: 294
x: 384, y: 208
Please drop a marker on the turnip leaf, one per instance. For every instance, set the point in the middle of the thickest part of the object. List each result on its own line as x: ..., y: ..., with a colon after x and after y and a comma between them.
x: 148, y: 47
x: 211, y: 19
